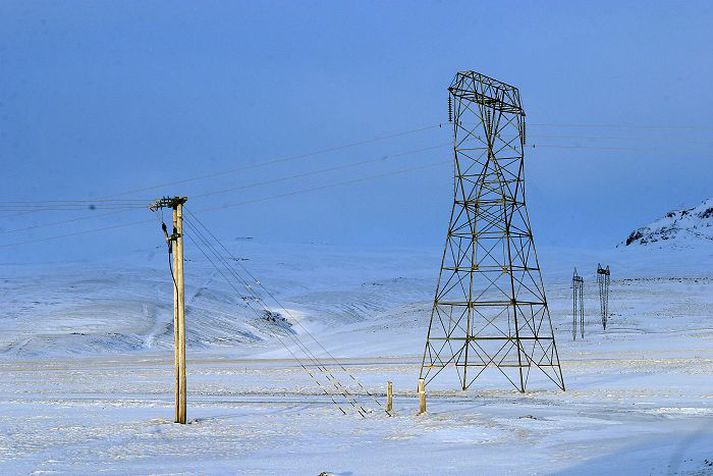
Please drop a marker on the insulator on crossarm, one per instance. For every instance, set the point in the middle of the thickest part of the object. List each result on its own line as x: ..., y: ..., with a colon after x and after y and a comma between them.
x: 450, y: 108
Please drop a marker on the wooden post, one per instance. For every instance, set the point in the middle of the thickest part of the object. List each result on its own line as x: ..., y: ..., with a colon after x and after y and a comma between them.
x: 389, y: 398
x: 179, y: 313
x: 421, y: 396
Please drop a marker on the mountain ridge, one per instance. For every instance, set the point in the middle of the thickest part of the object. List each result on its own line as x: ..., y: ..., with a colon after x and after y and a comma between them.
x: 683, y: 227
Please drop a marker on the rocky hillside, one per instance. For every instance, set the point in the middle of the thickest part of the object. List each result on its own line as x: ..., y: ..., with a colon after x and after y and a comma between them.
x: 680, y: 227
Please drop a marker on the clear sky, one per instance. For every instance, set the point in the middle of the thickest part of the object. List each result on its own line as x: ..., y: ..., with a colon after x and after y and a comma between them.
x: 98, y: 99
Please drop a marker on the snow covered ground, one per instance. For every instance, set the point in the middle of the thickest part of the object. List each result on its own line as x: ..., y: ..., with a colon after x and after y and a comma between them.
x: 86, y: 370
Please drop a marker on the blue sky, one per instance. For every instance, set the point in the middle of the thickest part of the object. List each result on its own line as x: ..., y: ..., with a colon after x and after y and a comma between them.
x: 98, y: 99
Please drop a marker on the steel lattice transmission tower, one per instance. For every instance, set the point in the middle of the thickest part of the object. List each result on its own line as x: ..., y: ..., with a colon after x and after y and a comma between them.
x: 490, y: 309
x: 603, y: 278
x: 577, y: 304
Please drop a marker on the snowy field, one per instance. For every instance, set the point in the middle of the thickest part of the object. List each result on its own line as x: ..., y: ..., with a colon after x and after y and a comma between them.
x: 86, y: 371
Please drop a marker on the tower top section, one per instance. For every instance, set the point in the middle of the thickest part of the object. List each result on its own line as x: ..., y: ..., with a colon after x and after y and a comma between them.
x: 486, y: 91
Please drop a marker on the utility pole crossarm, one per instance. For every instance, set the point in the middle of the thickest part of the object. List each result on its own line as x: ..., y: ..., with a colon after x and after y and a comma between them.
x: 167, y: 202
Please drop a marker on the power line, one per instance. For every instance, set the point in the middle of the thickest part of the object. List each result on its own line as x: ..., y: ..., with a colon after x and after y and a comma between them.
x: 584, y: 147
x: 285, y: 159
x: 310, y: 356
x: 295, y: 339
x: 618, y: 126
x: 323, y: 187
x: 237, y: 188
x: 63, y: 222
x: 76, y: 233
x: 247, y: 202
x: 320, y: 171
x: 127, y: 204
x: 73, y: 202
x: 617, y: 138
x: 294, y: 356
x: 40, y: 206
x: 110, y: 204
x: 261, y: 164
x: 280, y: 305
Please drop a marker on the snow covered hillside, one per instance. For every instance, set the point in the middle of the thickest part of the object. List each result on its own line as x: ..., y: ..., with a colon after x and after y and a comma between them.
x: 86, y: 370
x: 127, y: 306
x: 679, y: 227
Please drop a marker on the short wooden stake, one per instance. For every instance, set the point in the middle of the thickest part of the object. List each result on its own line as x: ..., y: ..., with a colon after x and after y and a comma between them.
x: 389, y: 397
x: 421, y: 396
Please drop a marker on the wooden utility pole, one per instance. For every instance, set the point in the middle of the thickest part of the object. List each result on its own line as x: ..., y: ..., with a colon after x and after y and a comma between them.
x: 179, y: 312
x: 175, y: 248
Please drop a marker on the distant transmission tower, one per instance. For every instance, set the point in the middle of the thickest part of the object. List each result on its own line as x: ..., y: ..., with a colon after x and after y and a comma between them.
x: 490, y: 309
x: 603, y: 277
x: 577, y: 304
